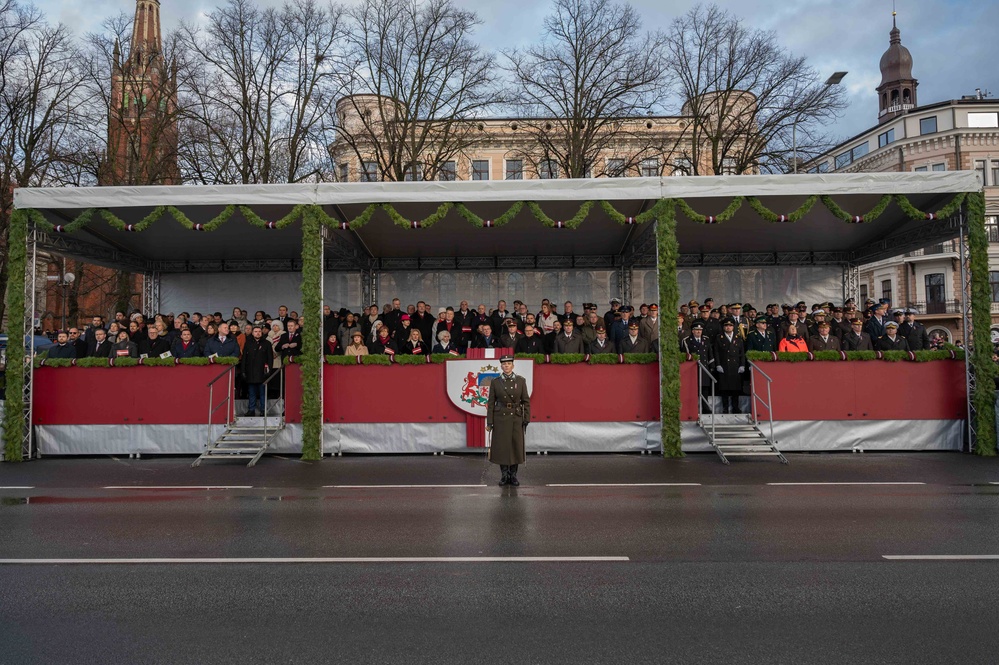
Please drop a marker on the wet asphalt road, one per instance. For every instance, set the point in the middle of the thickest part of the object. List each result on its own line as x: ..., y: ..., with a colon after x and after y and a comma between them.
x: 725, y: 568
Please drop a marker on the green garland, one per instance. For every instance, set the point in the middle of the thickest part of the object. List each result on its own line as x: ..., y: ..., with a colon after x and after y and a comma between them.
x: 376, y: 359
x: 13, y: 419
x: 983, y: 397
x: 424, y: 223
x: 258, y: 221
x: 834, y: 356
x: 668, y: 250
x: 768, y: 215
x: 126, y: 361
x: 571, y: 223
x: 872, y: 215
x: 566, y: 358
x: 477, y: 221
x: 642, y: 358
x: 913, y: 212
x: 724, y: 216
x: 312, y: 333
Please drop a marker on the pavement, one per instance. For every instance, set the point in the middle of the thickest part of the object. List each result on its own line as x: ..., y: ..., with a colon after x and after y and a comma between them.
x: 421, y: 559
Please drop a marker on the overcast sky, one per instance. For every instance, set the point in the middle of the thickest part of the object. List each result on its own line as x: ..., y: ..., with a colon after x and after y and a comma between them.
x: 952, y: 41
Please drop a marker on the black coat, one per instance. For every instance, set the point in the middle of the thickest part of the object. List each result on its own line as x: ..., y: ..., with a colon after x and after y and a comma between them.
x: 570, y: 344
x: 730, y: 356
x: 66, y: 350
x: 193, y: 349
x: 153, y: 348
x: 491, y: 342
x: 532, y: 344
x: 887, y: 344
x: 256, y: 361
x: 293, y: 342
x: 915, y: 336
x: 701, y: 348
x: 450, y: 348
x: 425, y: 324
x: 378, y: 346
x: 131, y: 349
x: 411, y: 348
x: 104, y: 350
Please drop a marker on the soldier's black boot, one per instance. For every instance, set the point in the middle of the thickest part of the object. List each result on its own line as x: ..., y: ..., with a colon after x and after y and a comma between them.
x: 513, y: 476
x: 504, y: 475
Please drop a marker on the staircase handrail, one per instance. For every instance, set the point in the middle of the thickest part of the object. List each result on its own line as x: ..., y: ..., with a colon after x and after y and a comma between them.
x: 768, y: 404
x: 228, y: 401
x: 703, y: 400
x: 278, y: 372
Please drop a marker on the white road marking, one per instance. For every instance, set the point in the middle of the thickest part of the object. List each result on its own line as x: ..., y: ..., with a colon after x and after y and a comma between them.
x: 381, y: 487
x: 941, y: 557
x: 623, y: 485
x: 178, y: 487
x: 432, y: 559
x: 806, y: 484
x: 17, y: 487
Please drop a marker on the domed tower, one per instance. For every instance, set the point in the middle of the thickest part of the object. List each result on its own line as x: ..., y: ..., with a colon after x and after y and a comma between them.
x: 897, y: 92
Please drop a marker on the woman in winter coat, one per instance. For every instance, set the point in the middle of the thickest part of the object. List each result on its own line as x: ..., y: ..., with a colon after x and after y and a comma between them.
x: 793, y: 342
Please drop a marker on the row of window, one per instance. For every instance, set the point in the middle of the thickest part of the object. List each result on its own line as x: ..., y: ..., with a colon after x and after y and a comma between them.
x: 514, y: 170
x: 936, y: 291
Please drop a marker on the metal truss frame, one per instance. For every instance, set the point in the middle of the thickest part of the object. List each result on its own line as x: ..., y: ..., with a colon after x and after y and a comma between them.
x: 964, y: 252
x: 762, y: 259
x: 151, y: 292
x: 70, y: 245
x: 28, y: 332
x: 929, y: 233
x: 851, y: 281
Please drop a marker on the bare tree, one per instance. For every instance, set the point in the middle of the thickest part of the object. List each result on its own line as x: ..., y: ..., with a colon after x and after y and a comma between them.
x: 580, y: 89
x: 41, y: 86
x: 258, y: 98
x: 744, y: 95
x: 419, y: 83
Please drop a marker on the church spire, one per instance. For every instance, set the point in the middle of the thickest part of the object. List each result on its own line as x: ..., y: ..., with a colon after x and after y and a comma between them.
x: 146, y: 37
x: 897, y: 92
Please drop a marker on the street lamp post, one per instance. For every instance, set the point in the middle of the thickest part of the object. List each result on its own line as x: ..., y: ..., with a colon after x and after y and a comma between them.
x: 63, y: 281
x: 835, y: 79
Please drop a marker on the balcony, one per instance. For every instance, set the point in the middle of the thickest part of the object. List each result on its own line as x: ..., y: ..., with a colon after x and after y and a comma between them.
x: 945, y: 308
x: 949, y: 247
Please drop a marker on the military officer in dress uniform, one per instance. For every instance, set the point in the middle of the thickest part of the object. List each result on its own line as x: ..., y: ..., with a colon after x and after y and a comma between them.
x: 730, y: 365
x: 761, y: 338
x: 914, y: 332
x: 507, y: 415
x: 856, y: 339
x: 891, y: 340
x: 824, y: 340
x: 697, y: 344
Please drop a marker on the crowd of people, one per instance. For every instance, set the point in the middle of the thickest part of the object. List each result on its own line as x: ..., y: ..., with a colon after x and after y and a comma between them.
x: 719, y: 335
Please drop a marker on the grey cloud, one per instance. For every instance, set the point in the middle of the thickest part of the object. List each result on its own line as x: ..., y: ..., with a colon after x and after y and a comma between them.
x: 950, y: 40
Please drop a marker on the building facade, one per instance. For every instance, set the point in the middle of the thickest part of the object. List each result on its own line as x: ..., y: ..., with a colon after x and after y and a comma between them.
x: 960, y: 134
x: 509, y: 148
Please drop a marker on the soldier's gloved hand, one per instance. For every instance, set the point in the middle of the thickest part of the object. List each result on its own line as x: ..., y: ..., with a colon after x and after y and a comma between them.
x: 741, y: 370
x: 489, y: 428
x: 720, y: 369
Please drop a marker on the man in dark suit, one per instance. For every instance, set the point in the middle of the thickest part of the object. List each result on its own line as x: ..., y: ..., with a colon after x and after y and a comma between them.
x: 730, y: 364
x: 531, y: 341
x: 62, y: 348
x: 825, y: 340
x: 101, y: 346
x: 892, y: 341
x: 153, y: 346
x: 463, y: 319
x: 499, y: 315
x: 423, y: 321
x: 486, y: 340
x: 914, y: 332
x: 856, y: 339
x: 632, y: 342
x: 254, y: 367
x: 289, y: 344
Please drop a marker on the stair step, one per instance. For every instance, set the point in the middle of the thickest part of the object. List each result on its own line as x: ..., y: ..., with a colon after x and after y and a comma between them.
x: 731, y: 453
x: 230, y: 452
x: 240, y: 456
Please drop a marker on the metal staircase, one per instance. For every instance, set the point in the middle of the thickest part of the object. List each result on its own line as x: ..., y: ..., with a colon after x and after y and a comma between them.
x: 244, y: 437
x: 737, y: 435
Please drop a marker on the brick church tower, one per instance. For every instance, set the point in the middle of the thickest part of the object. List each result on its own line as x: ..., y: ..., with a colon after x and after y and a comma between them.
x: 142, y: 118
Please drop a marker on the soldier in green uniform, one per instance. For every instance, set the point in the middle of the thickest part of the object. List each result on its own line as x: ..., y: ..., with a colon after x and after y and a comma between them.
x: 507, y: 415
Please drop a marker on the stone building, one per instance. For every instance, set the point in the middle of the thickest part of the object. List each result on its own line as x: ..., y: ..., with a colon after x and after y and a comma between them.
x: 959, y: 134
